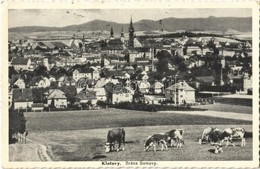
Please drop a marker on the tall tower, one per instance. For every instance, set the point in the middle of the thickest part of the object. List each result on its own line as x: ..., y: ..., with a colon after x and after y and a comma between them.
x: 122, y: 38
x: 111, y: 33
x: 131, y: 34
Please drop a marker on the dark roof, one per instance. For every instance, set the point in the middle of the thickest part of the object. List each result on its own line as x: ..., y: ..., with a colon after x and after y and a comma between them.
x: 22, y: 95
x: 86, y: 95
x: 205, y: 79
x: 143, y: 49
x: 20, y: 61
x: 109, y: 73
x: 59, y: 44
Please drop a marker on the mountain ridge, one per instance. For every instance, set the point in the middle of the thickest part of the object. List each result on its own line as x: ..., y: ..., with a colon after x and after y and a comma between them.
x: 241, y: 24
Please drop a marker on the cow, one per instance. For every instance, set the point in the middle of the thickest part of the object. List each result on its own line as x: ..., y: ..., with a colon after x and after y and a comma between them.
x: 207, y: 134
x: 156, y: 139
x: 229, y: 134
x: 113, y: 136
x: 177, y: 136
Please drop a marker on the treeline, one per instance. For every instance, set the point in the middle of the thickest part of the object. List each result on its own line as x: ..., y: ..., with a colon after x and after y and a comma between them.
x: 154, y: 107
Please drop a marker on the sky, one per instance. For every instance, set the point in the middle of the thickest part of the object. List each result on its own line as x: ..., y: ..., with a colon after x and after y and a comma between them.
x: 63, y: 17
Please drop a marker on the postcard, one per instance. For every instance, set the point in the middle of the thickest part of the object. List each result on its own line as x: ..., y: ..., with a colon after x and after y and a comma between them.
x: 130, y: 84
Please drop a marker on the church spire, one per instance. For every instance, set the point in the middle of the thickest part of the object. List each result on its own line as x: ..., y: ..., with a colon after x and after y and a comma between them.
x: 122, y: 32
x: 111, y: 33
x: 131, y: 33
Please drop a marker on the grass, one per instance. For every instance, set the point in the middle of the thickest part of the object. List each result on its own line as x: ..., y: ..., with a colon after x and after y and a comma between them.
x: 88, y: 145
x: 92, y: 119
x: 80, y: 135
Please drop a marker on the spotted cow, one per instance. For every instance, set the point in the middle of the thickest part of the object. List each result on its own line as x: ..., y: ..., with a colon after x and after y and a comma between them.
x: 155, y: 139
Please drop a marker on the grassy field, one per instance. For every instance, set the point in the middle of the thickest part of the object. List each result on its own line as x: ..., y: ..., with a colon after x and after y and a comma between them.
x: 80, y: 135
x: 88, y: 145
x: 92, y: 119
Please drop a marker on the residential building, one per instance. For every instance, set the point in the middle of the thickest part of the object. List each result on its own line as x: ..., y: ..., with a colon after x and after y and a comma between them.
x: 56, y: 98
x: 22, y: 98
x: 180, y: 92
x: 21, y: 63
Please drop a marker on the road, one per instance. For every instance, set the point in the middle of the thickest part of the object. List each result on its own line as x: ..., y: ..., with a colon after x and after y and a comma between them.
x: 226, y: 115
x: 29, y: 151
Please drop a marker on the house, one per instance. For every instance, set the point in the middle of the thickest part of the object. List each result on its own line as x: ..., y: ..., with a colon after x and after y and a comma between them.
x: 85, y: 84
x: 21, y: 63
x: 86, y: 97
x: 180, y: 92
x: 157, y: 88
x: 56, y: 98
x: 40, y: 82
x: 88, y: 73
x: 206, y: 80
x: 247, y: 82
x: 67, y: 81
x: 100, y: 94
x: 22, y: 98
x: 120, y: 94
x: 143, y: 86
x: 19, y: 83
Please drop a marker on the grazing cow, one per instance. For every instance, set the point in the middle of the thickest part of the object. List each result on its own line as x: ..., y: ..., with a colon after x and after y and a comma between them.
x: 156, y: 138
x: 113, y: 136
x: 230, y: 133
x: 177, y: 136
x: 208, y: 134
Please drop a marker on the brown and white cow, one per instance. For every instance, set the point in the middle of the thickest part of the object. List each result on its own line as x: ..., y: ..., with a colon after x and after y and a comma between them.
x: 229, y: 134
x: 177, y: 136
x: 208, y: 134
x: 113, y: 136
x: 156, y: 139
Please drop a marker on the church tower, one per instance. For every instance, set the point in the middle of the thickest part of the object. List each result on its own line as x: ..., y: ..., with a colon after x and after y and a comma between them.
x: 122, y: 38
x: 112, y: 33
x: 131, y: 34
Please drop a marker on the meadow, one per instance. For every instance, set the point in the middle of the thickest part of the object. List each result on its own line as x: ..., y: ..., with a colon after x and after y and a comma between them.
x: 81, y: 135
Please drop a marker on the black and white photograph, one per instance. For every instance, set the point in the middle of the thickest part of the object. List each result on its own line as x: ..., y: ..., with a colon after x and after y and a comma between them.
x: 131, y: 87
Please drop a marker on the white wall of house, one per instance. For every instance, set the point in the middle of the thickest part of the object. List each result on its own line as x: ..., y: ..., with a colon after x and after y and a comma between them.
x: 121, y: 97
x: 22, y: 105
x: 59, y: 103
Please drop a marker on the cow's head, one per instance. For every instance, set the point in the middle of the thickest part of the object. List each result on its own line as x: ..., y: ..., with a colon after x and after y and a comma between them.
x: 148, y: 144
x: 109, y: 147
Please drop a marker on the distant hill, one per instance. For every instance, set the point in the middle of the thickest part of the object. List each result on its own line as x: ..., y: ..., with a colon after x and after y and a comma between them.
x: 167, y: 24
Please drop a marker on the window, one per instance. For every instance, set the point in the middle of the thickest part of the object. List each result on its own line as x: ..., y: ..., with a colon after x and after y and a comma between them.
x: 181, y: 96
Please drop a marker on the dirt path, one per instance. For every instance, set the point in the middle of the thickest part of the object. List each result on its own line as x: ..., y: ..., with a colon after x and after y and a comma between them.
x: 226, y: 115
x: 28, y: 151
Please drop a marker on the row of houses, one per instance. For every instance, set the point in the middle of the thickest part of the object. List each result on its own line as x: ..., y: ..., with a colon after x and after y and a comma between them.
x: 108, y: 91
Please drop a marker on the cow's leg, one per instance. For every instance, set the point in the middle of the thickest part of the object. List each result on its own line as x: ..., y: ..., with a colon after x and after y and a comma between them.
x: 200, y: 141
x: 162, y: 145
x: 243, y: 142
x: 154, y: 147
x: 166, y: 147
x: 119, y: 145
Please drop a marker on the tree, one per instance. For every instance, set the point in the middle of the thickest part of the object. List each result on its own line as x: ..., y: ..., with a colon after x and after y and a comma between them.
x: 182, y: 67
x: 41, y: 71
x: 17, y: 123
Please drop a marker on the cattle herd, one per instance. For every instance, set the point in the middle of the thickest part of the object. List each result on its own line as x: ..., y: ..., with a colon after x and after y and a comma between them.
x: 174, y: 138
